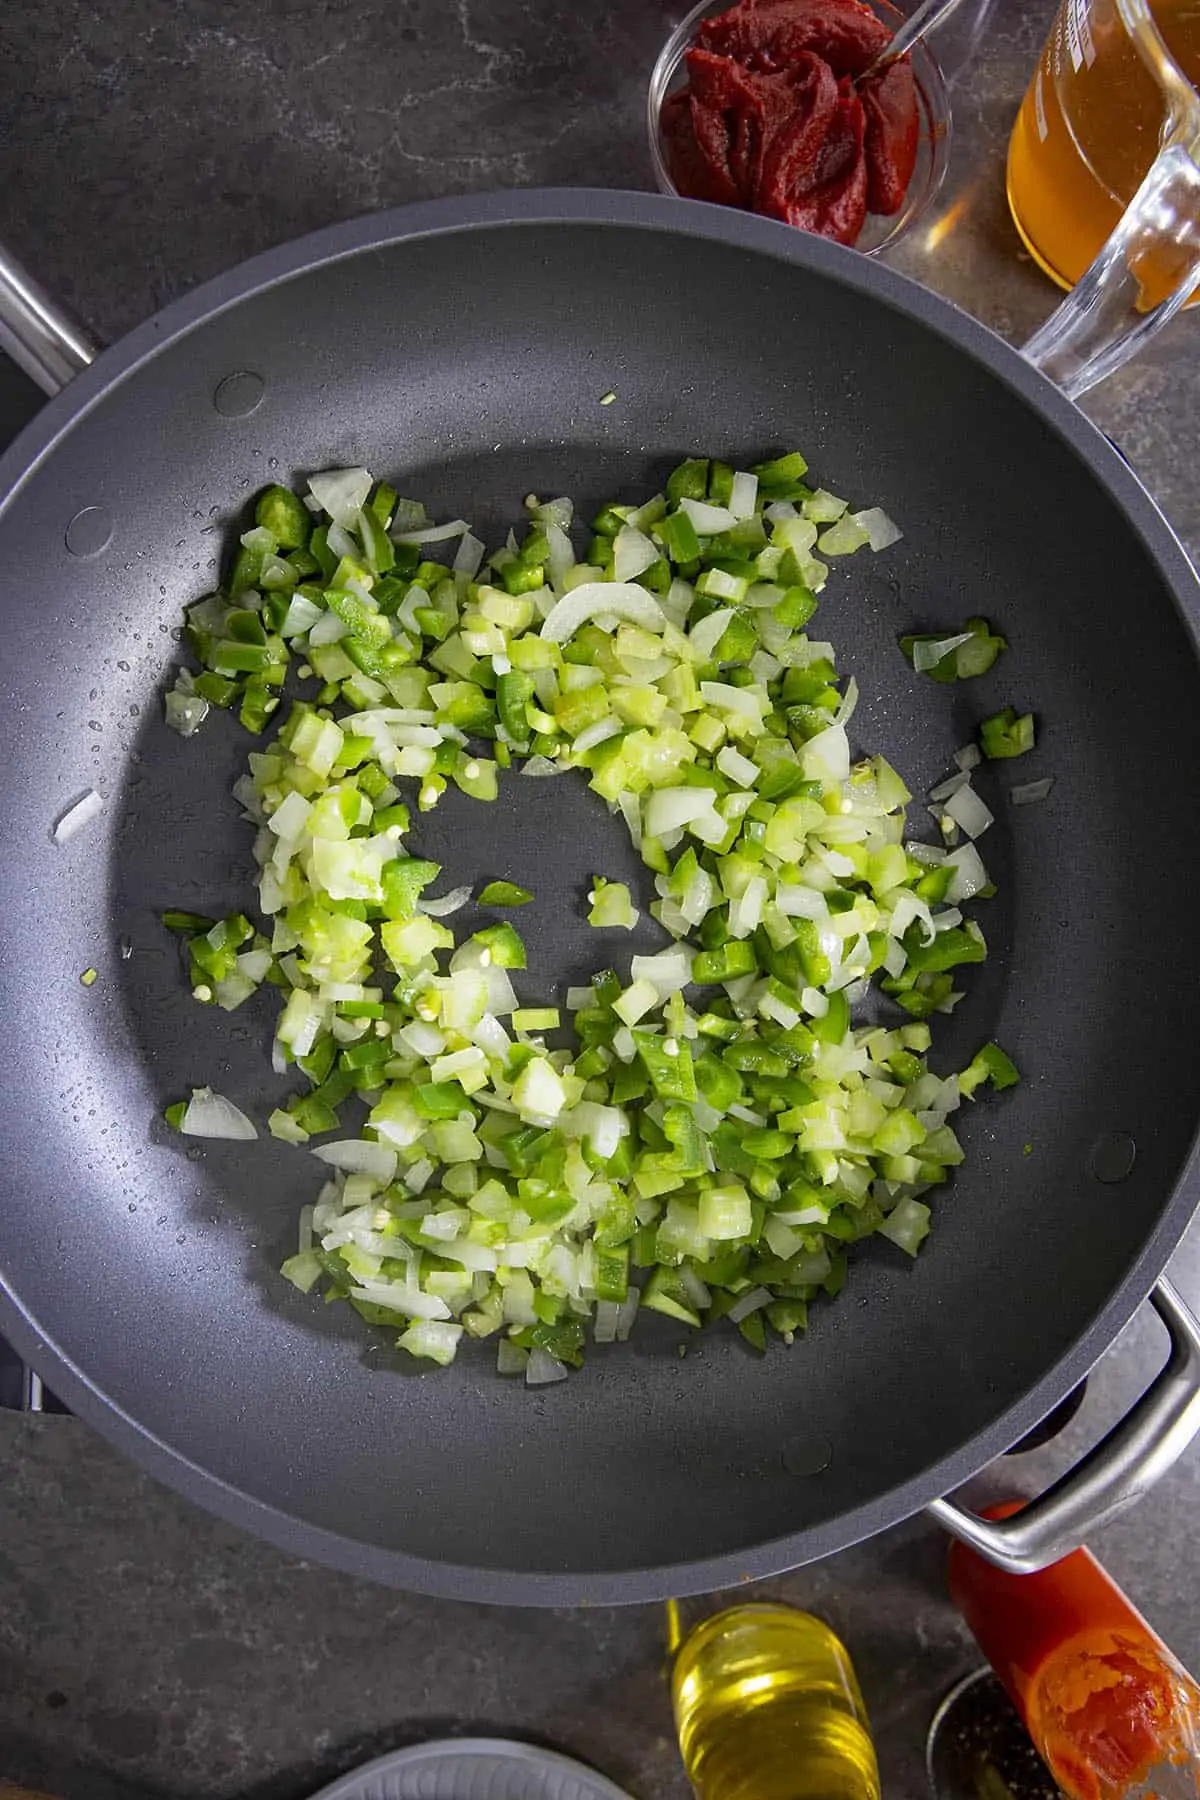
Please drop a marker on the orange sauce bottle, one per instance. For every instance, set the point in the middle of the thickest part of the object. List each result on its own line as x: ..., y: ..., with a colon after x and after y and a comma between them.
x: 1112, y: 1712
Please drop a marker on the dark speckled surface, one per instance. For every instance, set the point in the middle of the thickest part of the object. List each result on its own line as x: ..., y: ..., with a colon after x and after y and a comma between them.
x: 146, y: 1650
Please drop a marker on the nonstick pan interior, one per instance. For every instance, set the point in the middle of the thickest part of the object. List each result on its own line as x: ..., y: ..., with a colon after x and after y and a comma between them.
x: 467, y: 363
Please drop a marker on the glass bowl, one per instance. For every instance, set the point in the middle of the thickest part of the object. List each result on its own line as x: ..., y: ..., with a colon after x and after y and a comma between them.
x: 933, y: 108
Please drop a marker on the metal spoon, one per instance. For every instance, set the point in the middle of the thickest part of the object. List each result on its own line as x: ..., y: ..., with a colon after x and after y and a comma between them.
x: 927, y: 18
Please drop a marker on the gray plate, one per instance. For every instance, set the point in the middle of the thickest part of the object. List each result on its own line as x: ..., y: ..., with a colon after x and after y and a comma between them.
x: 473, y: 1769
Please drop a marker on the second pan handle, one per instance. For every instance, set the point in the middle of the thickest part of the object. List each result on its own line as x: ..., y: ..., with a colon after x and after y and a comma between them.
x: 1121, y: 1468
x: 41, y: 336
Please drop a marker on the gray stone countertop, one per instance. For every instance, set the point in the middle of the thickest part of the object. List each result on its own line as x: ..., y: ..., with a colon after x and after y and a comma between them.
x: 145, y: 1649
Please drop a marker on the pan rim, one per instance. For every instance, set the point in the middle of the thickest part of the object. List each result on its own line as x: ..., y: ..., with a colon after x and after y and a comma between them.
x: 638, y: 211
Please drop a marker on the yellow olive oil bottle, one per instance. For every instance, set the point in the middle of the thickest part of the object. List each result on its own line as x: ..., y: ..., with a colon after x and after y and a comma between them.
x: 767, y: 1707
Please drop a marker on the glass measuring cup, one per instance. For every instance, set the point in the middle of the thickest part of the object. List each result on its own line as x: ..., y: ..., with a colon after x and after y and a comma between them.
x: 1104, y: 178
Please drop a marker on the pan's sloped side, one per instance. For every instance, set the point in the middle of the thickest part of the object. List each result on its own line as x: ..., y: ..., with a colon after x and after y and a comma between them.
x: 464, y: 356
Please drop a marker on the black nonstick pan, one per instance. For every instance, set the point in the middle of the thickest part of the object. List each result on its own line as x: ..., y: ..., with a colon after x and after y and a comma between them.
x: 462, y: 350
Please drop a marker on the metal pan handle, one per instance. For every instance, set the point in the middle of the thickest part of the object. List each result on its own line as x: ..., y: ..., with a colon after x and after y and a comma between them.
x: 1118, y: 1471
x: 40, y: 336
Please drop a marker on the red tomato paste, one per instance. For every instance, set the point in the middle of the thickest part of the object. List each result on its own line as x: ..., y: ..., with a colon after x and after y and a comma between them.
x: 771, y: 120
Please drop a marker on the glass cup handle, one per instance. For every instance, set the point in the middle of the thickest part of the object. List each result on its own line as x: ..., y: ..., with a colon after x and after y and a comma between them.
x: 1107, y: 317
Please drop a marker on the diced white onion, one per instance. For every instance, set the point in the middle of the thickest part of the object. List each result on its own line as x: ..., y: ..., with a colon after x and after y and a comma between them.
x: 604, y: 1327
x: 408, y: 1299
x: 599, y: 733
x: 77, y: 816
x: 210, y: 1115
x: 328, y: 629
x: 928, y: 655
x: 543, y: 1368
x: 433, y: 534
x: 698, y: 1294
x: 422, y: 1038
x: 848, y: 705
x: 535, y: 766
x: 951, y: 785
x: 501, y: 998
x: 829, y: 750
x: 341, y: 492
x: 929, y: 854
x: 747, y: 702
x: 772, y: 1008
x: 739, y: 768
x: 185, y: 712
x: 969, y: 874
x: 707, y: 633
x: 669, y: 971
x: 906, y: 911
x: 969, y: 812
x: 511, y: 1359
x: 698, y: 897
x: 359, y: 1156
x: 416, y: 1176
x: 810, y: 651
x: 837, y: 864
x: 633, y: 554
x: 743, y: 497
x: 881, y: 531
x: 554, y: 514
x: 1027, y: 793
x: 469, y: 556
x: 562, y: 555
x: 748, y: 1303
x: 709, y: 521
x: 895, y: 958
x: 677, y: 602
x: 668, y: 808
x: 623, y: 600
x: 745, y: 910
x: 797, y: 902
x: 444, y: 904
